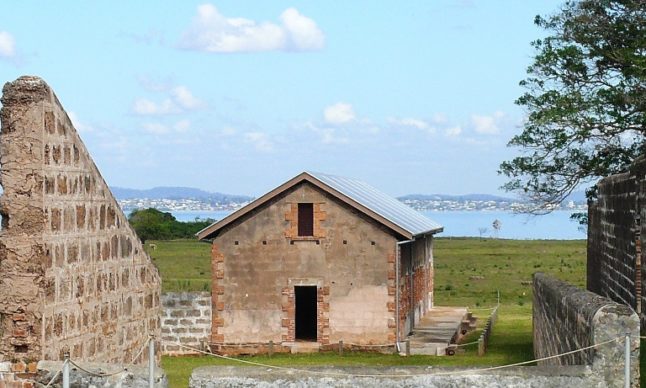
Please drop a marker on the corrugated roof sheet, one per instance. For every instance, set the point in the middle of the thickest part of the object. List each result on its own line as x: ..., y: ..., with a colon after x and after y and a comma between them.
x: 380, y: 203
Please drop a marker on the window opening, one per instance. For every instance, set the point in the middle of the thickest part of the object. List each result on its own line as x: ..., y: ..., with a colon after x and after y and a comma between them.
x: 305, y: 219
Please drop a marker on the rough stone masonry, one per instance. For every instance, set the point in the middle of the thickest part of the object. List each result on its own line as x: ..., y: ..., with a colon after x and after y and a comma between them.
x: 566, y: 318
x: 73, y: 275
x: 616, y: 235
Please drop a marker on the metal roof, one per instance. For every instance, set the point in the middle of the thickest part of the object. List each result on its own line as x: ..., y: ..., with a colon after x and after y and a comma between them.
x: 386, y: 210
x: 384, y: 205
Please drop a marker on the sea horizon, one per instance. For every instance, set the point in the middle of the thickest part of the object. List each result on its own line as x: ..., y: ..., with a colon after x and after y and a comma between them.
x: 516, y: 226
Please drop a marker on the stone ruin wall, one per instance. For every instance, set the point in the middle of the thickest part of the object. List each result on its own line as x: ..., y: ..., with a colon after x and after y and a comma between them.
x: 73, y: 275
x: 186, y: 320
x: 566, y: 318
x: 615, y: 238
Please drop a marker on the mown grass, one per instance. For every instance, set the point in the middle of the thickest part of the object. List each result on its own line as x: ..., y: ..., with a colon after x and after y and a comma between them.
x: 468, y: 272
x: 184, y: 265
x: 511, y: 342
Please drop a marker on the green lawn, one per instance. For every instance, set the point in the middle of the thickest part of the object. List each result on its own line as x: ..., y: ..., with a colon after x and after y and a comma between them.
x: 468, y: 272
x: 511, y: 342
x: 185, y: 265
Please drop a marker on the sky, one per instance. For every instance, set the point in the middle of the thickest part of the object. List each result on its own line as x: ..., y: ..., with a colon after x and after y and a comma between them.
x: 240, y: 96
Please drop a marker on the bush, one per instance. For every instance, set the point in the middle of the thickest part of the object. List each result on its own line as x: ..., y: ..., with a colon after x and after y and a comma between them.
x: 152, y: 224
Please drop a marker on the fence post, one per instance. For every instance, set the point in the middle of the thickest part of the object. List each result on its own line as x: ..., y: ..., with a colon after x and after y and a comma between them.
x: 407, y: 347
x: 627, y: 362
x: 66, y: 370
x: 340, y: 347
x: 151, y: 361
x: 271, y: 348
x: 480, y: 346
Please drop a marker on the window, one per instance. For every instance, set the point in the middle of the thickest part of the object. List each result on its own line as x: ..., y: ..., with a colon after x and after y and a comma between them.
x: 305, y: 219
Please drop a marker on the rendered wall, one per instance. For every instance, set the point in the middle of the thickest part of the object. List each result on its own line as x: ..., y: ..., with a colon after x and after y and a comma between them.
x: 258, y: 260
x: 73, y: 275
x: 615, y: 238
x: 566, y: 318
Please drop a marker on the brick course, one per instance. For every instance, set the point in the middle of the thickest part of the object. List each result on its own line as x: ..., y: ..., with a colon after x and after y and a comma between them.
x: 615, y: 234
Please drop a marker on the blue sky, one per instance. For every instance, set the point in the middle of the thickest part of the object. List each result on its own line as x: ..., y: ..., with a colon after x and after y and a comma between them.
x: 238, y: 96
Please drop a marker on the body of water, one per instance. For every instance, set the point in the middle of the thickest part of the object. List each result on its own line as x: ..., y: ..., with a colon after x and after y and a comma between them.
x: 556, y: 225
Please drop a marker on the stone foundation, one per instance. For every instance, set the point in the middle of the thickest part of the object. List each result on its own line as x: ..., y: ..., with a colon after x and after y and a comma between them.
x: 186, y: 320
x: 244, y: 376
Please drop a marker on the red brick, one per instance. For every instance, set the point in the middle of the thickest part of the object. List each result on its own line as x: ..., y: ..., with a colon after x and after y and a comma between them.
x: 19, y: 317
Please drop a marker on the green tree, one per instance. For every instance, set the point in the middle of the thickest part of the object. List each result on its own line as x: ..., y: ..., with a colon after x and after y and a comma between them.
x: 585, y: 99
x: 151, y: 224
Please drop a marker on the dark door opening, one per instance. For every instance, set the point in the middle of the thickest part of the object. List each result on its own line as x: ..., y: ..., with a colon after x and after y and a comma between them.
x: 305, y: 312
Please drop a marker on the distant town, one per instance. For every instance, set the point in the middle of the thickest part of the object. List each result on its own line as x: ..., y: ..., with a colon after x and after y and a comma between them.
x: 186, y: 199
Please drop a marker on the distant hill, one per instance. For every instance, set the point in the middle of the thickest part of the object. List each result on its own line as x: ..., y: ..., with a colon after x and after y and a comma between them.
x: 458, y: 198
x: 177, y: 193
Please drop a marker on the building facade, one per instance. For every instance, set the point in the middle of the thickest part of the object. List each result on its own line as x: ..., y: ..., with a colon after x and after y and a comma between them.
x: 319, y: 260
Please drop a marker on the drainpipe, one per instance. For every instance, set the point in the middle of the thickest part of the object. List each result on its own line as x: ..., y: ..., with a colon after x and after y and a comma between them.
x: 398, y: 245
x: 426, y: 278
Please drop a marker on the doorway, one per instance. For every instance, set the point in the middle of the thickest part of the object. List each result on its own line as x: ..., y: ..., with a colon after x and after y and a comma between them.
x: 305, y: 313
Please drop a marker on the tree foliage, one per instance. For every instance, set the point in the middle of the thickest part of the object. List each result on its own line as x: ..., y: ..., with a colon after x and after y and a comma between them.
x: 585, y: 99
x: 152, y: 224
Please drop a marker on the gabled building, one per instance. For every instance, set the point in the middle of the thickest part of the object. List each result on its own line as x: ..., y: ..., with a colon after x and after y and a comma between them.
x: 318, y: 260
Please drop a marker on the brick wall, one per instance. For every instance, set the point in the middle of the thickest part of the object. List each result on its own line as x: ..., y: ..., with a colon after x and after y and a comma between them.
x: 415, y: 282
x: 567, y: 318
x: 74, y: 275
x: 186, y: 320
x: 615, y: 236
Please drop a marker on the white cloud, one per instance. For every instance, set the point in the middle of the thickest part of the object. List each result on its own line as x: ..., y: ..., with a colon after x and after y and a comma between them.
x: 330, y: 136
x: 259, y: 140
x: 155, y: 84
x: 80, y: 126
x: 339, y: 113
x: 410, y: 122
x: 440, y: 118
x: 180, y: 100
x: 184, y: 98
x: 7, y: 45
x: 182, y: 126
x: 156, y: 128
x: 143, y: 106
x: 453, y: 131
x: 213, y: 32
x: 487, y: 125
x: 302, y: 31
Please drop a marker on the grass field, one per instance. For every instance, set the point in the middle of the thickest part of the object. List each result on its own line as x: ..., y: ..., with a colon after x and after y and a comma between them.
x: 185, y: 265
x: 468, y: 272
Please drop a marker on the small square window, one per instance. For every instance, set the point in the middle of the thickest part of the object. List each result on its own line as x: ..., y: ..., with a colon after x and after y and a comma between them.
x: 305, y: 219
